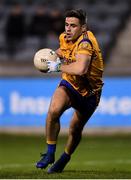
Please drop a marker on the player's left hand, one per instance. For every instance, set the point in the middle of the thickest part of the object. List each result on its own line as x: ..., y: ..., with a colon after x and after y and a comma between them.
x: 54, y: 66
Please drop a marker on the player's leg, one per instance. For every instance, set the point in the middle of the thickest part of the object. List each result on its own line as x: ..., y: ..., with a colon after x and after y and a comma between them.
x: 79, y: 119
x: 59, y: 103
x: 75, y: 131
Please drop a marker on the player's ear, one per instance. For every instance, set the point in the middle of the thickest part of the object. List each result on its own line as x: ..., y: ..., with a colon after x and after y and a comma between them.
x: 84, y: 28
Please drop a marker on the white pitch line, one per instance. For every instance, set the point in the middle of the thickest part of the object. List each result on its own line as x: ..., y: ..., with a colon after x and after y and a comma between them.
x: 15, y: 165
x: 103, y: 162
x: 91, y: 162
x: 119, y: 161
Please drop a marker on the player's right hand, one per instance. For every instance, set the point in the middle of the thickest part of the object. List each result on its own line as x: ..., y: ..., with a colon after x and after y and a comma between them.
x: 54, y: 66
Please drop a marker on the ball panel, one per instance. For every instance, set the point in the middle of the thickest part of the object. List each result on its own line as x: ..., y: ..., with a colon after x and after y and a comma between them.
x: 41, y: 57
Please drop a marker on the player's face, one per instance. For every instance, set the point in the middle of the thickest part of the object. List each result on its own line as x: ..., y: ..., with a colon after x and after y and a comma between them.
x: 73, y: 28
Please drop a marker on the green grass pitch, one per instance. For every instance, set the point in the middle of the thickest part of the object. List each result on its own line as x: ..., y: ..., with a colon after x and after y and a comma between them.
x: 97, y: 157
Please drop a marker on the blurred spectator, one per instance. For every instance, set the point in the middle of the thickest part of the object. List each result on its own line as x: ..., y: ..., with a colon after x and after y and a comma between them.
x: 40, y: 22
x: 57, y: 19
x: 15, y: 29
x: 52, y: 40
x: 1, y: 10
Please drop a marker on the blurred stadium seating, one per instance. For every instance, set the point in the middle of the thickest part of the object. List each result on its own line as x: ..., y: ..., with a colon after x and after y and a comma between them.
x: 40, y: 22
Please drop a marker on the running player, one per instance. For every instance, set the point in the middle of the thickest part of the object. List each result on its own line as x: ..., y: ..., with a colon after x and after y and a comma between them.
x: 80, y: 87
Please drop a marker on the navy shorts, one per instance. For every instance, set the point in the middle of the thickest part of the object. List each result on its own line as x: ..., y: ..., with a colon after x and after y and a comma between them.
x: 84, y: 104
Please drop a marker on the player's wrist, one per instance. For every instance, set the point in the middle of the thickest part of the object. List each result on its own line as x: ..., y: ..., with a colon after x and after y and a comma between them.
x: 59, y: 67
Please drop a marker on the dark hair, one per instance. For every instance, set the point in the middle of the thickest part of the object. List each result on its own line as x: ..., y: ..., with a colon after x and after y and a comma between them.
x: 78, y: 13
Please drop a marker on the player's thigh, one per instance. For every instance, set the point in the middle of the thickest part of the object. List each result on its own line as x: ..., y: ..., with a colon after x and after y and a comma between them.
x: 60, y: 101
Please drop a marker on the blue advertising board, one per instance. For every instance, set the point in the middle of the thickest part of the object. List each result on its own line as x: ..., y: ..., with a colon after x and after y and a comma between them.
x: 25, y: 102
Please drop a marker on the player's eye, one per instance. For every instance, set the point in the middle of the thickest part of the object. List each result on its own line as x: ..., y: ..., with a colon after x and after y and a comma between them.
x: 73, y: 25
x: 66, y: 24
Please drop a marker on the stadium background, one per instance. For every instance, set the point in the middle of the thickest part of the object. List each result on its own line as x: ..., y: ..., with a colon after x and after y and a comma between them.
x: 28, y: 25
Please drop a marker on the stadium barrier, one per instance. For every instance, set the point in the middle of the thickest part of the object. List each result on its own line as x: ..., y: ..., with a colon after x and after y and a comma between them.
x: 24, y: 102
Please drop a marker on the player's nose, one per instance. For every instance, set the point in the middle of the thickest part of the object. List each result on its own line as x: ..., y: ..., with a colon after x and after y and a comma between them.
x: 68, y: 29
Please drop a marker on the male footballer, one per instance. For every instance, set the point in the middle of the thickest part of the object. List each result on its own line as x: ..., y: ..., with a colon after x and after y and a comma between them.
x: 80, y: 87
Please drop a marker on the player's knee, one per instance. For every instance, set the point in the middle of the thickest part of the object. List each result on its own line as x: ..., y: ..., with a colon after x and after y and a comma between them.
x: 53, y: 113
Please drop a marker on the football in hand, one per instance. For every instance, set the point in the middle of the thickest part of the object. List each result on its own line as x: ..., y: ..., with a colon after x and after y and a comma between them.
x: 41, y: 57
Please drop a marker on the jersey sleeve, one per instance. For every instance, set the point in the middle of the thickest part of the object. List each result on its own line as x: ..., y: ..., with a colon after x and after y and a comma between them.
x: 61, y: 43
x: 85, y: 47
x: 61, y: 39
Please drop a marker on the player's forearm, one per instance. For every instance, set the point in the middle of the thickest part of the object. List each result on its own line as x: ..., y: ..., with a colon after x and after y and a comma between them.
x: 73, y: 69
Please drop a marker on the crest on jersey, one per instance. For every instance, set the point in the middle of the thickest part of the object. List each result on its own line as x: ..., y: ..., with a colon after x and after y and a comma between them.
x: 85, y: 45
